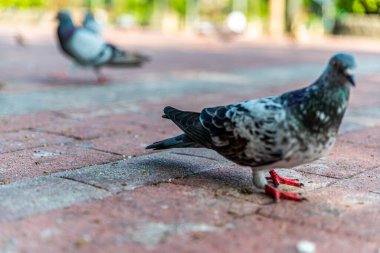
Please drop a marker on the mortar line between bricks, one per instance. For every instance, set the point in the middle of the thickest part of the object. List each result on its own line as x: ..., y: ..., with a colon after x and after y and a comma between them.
x: 171, y: 152
x: 34, y: 147
x: 339, y: 179
x: 342, y: 178
x: 76, y: 137
x: 83, y: 182
x: 57, y: 134
x: 72, y: 136
x: 200, y: 156
x: 64, y: 144
x: 362, y: 172
x: 32, y: 130
x: 317, y: 174
x: 96, y: 149
x: 31, y: 148
x: 375, y: 192
x: 35, y: 130
x: 19, y: 130
x: 323, y: 187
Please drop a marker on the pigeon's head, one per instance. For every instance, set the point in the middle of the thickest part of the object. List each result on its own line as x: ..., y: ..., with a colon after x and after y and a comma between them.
x: 341, y: 69
x: 64, y: 16
x: 89, y: 16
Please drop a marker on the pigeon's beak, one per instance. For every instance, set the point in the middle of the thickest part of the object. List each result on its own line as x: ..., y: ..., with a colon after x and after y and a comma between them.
x: 349, y: 73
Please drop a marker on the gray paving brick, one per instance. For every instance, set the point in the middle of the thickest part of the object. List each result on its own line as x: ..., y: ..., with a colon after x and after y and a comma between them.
x: 148, y: 169
x: 42, y: 194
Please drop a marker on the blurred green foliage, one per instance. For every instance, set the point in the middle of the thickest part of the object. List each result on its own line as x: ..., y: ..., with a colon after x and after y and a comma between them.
x: 179, y: 6
x: 22, y: 3
x: 214, y: 10
x: 141, y: 9
x: 358, y: 6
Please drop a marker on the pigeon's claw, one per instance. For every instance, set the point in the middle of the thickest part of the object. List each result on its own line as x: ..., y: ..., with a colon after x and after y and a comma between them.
x: 277, y: 195
x: 277, y: 179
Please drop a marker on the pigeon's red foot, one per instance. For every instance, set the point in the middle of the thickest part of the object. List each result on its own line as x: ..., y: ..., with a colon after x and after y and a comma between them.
x: 277, y: 179
x: 277, y: 195
x: 102, y: 80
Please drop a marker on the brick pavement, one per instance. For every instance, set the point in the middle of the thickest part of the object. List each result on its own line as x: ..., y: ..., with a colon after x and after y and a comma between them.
x: 75, y: 177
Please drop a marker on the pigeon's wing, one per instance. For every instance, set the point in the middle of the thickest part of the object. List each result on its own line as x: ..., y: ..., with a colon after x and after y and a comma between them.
x: 190, y: 124
x: 88, y: 48
x: 251, y: 133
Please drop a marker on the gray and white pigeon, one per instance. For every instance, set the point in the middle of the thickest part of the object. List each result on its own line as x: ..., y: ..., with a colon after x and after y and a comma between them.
x: 283, y: 131
x: 90, y: 50
x: 89, y: 22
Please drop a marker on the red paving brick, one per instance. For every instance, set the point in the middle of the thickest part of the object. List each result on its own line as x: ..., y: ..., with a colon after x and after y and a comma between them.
x: 174, y: 218
x: 128, y: 144
x: 24, y: 139
x: 41, y: 161
x: 369, y: 139
x: 257, y: 234
x: 19, y: 122
x: 103, y: 126
x: 129, y: 210
x: 346, y: 207
x: 344, y: 161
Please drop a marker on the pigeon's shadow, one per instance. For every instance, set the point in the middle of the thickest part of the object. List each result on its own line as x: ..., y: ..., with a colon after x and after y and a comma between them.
x: 225, y: 180
x: 225, y: 176
x: 72, y: 81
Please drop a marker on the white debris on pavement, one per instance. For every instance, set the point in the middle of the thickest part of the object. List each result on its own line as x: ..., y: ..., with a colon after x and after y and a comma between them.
x: 306, y: 247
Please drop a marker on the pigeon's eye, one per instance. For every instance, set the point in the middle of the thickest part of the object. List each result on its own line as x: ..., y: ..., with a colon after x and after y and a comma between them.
x: 335, y: 64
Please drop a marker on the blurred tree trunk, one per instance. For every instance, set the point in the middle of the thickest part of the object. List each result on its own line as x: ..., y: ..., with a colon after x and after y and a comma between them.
x: 191, y: 13
x: 276, y: 17
x: 160, y: 9
x: 108, y: 4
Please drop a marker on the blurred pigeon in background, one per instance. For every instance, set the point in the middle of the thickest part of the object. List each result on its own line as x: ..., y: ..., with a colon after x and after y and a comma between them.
x: 276, y: 132
x: 20, y: 39
x: 90, y: 50
x: 90, y: 23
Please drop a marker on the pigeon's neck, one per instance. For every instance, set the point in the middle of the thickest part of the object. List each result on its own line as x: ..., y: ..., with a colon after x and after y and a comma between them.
x: 320, y: 107
x: 65, y: 30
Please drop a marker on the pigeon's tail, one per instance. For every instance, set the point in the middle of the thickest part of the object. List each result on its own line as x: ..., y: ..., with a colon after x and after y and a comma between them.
x: 180, y: 141
x: 121, y: 58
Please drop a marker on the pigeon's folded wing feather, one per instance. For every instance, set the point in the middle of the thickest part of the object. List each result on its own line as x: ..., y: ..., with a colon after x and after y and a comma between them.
x: 250, y: 133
